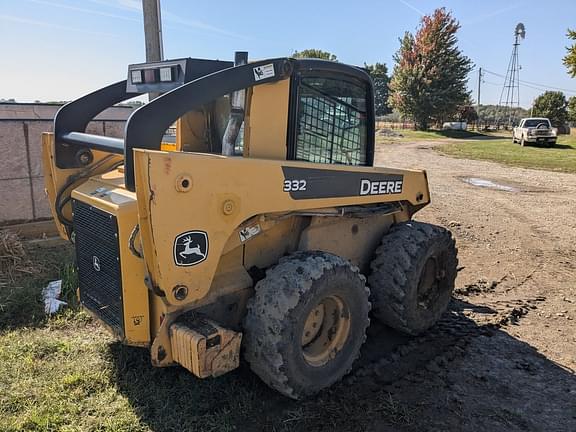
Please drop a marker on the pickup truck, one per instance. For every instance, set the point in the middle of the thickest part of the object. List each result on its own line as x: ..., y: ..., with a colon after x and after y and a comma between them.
x: 534, y: 130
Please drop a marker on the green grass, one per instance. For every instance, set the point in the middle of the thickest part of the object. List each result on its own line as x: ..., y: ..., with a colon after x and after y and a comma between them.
x: 73, y: 377
x: 432, y: 135
x: 66, y: 373
x: 57, y: 378
x: 561, y: 157
x: 20, y: 300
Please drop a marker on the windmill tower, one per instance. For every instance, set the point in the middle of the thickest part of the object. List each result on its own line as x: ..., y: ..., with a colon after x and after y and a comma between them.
x: 510, y: 95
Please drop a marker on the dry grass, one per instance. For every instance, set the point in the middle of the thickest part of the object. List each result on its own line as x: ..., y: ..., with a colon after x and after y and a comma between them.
x: 13, y: 258
x: 25, y: 271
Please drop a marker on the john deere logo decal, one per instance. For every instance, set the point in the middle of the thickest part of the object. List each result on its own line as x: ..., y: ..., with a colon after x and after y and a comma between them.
x: 190, y: 248
x: 96, y: 263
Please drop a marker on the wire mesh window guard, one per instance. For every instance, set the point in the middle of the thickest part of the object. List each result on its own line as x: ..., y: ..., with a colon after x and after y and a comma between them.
x: 331, y: 122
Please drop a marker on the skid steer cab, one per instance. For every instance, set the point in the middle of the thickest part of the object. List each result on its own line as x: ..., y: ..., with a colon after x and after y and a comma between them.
x: 260, y: 228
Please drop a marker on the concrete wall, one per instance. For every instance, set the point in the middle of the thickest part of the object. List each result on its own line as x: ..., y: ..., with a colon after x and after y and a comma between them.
x: 22, y: 196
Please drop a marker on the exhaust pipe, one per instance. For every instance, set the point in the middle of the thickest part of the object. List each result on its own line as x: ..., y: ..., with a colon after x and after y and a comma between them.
x: 237, y: 106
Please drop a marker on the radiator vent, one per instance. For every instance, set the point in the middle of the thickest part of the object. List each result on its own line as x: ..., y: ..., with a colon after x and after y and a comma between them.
x: 98, y: 260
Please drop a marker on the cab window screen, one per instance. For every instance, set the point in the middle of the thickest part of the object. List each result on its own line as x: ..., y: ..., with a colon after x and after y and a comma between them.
x: 331, y: 122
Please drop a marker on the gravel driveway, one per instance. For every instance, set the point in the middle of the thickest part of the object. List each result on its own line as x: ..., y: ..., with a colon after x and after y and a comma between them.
x: 516, y: 234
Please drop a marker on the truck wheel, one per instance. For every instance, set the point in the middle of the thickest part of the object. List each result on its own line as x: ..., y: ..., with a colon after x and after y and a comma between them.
x: 412, y: 276
x: 306, y: 323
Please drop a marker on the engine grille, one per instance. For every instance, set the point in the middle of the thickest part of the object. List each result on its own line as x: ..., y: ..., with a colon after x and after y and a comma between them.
x: 98, y: 259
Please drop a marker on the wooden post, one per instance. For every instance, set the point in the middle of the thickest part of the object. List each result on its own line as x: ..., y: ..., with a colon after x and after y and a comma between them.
x: 152, y: 33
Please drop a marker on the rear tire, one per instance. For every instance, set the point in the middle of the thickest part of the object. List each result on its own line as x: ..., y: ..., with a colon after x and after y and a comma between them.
x: 306, y: 323
x: 412, y: 276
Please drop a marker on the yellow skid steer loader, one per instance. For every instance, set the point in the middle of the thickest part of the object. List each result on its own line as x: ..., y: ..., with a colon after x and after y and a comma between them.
x: 263, y: 230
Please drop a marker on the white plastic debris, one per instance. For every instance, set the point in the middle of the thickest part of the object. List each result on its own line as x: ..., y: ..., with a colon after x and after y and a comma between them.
x: 50, y: 294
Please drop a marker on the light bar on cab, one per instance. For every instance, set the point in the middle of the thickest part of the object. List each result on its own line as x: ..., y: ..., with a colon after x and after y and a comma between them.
x: 166, y: 75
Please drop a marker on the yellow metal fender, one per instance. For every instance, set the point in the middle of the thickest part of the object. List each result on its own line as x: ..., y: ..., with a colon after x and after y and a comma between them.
x: 191, y: 203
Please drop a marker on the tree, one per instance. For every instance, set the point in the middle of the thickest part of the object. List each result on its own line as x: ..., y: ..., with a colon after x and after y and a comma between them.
x: 572, y: 109
x: 430, y: 73
x: 552, y: 105
x: 491, y: 113
x: 379, y: 74
x: 467, y: 113
x: 570, y: 58
x: 315, y: 53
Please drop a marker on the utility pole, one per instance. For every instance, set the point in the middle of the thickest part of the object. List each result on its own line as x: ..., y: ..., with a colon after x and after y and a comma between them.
x: 479, y: 83
x: 152, y: 30
x: 152, y: 33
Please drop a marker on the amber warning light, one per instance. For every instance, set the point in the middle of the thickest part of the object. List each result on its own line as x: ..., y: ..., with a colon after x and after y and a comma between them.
x: 150, y: 76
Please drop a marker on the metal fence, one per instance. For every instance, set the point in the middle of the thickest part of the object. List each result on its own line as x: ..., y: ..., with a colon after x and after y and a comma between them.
x: 382, y: 124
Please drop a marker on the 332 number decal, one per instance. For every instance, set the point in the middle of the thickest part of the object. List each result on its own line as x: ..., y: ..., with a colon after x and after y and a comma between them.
x: 294, y: 185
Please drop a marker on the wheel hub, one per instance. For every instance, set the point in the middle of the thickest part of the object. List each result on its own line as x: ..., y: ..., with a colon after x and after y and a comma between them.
x: 430, y: 281
x: 325, y: 331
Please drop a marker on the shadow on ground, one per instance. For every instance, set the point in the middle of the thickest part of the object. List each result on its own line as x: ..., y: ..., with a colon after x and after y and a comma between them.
x: 466, y: 134
x: 458, y: 376
x: 553, y: 147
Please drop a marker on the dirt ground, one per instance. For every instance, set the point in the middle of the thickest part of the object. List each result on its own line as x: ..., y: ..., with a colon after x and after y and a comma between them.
x: 507, y: 353
x: 502, y: 359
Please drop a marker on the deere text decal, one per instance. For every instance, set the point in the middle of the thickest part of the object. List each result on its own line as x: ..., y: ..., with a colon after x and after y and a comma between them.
x: 311, y: 183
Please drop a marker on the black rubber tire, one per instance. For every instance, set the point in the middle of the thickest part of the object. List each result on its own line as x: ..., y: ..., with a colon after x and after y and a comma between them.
x: 276, y: 316
x: 397, y: 269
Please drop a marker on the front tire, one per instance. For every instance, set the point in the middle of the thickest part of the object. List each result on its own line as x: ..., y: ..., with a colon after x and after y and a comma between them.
x: 412, y: 276
x: 306, y: 323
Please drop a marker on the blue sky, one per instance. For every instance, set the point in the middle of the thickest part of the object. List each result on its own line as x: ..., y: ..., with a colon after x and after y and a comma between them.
x: 61, y: 49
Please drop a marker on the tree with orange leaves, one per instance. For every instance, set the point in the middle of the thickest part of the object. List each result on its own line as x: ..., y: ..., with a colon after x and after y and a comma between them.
x: 430, y: 75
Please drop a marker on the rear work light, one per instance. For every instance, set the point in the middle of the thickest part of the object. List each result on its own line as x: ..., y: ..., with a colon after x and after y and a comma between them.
x: 136, y: 76
x: 166, y: 74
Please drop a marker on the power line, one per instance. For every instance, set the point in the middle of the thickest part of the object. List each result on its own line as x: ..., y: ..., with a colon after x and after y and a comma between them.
x: 530, y: 84
x: 549, y: 87
x: 494, y: 73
